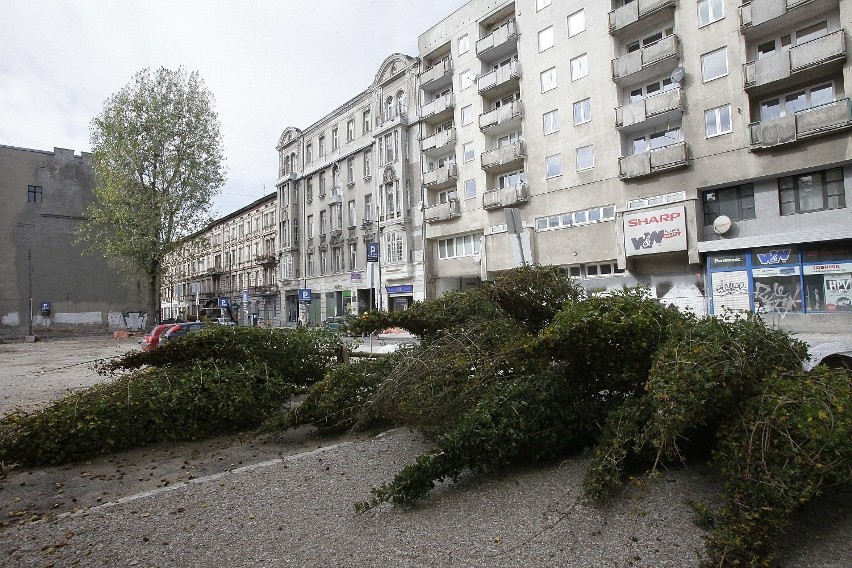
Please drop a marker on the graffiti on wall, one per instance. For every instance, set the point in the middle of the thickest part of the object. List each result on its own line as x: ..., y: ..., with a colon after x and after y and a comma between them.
x: 778, y: 295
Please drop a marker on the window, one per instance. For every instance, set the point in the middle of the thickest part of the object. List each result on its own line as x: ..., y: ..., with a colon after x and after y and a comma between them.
x: 368, y: 163
x: 736, y: 202
x: 553, y: 165
x: 309, y: 152
x: 796, y: 101
x: 350, y: 130
x: 582, y: 111
x: 33, y: 194
x: 551, y: 121
x: 649, y: 39
x: 814, y: 191
x: 717, y: 120
x: 366, y: 125
x: 335, y: 140
x: 470, y: 189
x: 322, y: 146
x: 579, y: 67
x: 651, y: 89
x: 576, y: 23
x: 468, y: 152
x: 321, y: 192
x: 368, y: 207
x: 511, y: 179
x: 352, y: 214
x: 394, y: 247
x: 323, y: 262
x: 585, y: 157
x: 548, y: 79
x: 310, y: 224
x: 656, y: 140
x: 464, y: 44
x: 603, y: 269
x: 714, y: 64
x: 337, y: 259
x: 545, y: 38
x: 541, y: 4
x: 447, y: 195
x: 323, y: 224
x: 466, y: 115
x: 710, y: 11
x: 336, y: 216
x: 465, y: 79
x: 350, y: 170
x: 576, y: 218
x: 454, y: 247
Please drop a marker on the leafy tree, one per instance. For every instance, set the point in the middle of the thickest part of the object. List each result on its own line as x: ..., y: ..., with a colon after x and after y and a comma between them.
x: 158, y: 162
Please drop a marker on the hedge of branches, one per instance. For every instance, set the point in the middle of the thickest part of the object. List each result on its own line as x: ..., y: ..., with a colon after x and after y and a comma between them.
x: 220, y: 379
x: 529, y: 368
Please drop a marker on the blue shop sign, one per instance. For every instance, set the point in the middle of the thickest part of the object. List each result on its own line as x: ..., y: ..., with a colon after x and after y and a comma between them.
x: 403, y: 289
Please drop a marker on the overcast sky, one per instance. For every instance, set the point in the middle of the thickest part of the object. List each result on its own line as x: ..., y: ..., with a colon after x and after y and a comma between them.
x: 269, y: 64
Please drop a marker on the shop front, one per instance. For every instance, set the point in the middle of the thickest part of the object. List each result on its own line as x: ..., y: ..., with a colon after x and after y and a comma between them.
x: 400, y: 297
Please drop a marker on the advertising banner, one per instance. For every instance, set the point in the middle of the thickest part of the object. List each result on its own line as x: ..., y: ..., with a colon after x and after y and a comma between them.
x: 656, y: 231
x: 838, y: 293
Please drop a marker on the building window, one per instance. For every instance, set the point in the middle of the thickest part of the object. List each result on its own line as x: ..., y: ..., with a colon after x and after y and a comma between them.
x: 323, y: 225
x: 717, y: 121
x: 454, y: 247
x: 321, y: 192
x: 576, y: 23
x: 582, y: 111
x: 323, y: 262
x: 553, y: 165
x: 350, y: 170
x: 336, y: 210
x: 714, y: 64
x: 548, y: 79
x: 352, y: 214
x: 322, y: 146
x: 511, y: 179
x: 33, y: 194
x: 465, y: 79
x: 337, y: 259
x: 551, y: 121
x: 468, y: 152
x: 309, y: 152
x: 541, y: 4
x: 656, y: 140
x: 466, y: 115
x: 464, y: 44
x: 350, y: 130
x: 368, y: 160
x: 579, y: 67
x: 353, y: 256
x: 736, y: 202
x: 310, y: 224
x: 585, y: 157
x: 394, y: 247
x: 815, y: 191
x: 650, y: 89
x: 576, y: 218
x: 366, y: 124
x: 545, y: 39
x: 335, y: 139
x: 791, y: 103
x: 368, y: 207
x: 470, y: 189
x: 447, y: 195
x: 603, y: 269
x: 710, y: 11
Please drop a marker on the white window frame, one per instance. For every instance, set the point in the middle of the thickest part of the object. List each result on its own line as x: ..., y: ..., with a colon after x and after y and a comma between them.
x: 704, y: 59
x: 462, y: 246
x: 550, y: 122
x: 585, y: 152
x: 468, y: 152
x: 545, y: 39
x: 808, y: 92
x: 470, y: 189
x: 466, y: 115
x: 599, y: 214
x: 547, y: 79
x: 463, y: 44
x: 576, y: 23
x: 541, y: 4
x: 466, y: 79
x: 553, y: 162
x: 579, y: 67
x: 718, y: 113
x: 715, y: 11
x: 585, y: 111
x: 350, y: 130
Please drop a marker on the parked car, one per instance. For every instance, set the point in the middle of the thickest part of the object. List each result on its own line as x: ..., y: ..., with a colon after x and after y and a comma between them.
x: 336, y: 323
x: 179, y: 330
x: 152, y: 338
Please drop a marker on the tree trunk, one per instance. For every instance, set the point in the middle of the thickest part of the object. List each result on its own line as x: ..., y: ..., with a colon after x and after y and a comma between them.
x: 154, y: 294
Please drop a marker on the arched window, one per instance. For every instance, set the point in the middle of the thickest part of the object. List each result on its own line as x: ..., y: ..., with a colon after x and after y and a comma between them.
x: 287, y: 164
x: 293, y: 162
x: 389, y: 114
x: 400, y: 102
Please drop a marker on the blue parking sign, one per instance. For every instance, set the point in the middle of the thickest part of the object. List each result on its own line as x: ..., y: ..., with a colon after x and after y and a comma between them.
x: 372, y: 252
x: 305, y: 295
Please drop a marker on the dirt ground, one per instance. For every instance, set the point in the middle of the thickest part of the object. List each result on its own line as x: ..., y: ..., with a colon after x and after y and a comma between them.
x: 33, y: 374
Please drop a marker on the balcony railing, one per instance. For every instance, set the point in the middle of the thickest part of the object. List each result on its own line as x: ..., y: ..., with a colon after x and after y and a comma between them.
x: 440, y: 140
x: 446, y: 175
x: 504, y: 156
x: 506, y: 33
x: 646, y: 163
x: 506, y: 196
x: 266, y: 290
x: 824, y: 50
x: 622, y: 17
x: 639, y: 111
x: 443, y: 211
x: 214, y: 270
x: 438, y: 71
x: 757, y: 12
x: 509, y: 113
x: 504, y: 76
x: 636, y: 61
x: 806, y: 123
x: 266, y: 258
x: 438, y: 106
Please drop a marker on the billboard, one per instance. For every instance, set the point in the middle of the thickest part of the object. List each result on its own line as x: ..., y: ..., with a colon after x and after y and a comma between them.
x: 655, y: 231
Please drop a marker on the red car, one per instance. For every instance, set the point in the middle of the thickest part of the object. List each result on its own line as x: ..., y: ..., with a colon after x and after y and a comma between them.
x: 152, y: 340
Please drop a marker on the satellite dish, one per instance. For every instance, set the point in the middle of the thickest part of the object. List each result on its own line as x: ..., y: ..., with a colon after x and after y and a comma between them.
x: 721, y: 224
x: 677, y: 75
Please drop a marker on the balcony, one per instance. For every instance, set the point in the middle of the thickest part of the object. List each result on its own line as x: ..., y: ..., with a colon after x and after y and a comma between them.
x: 442, y: 177
x: 503, y: 119
x: 797, y: 64
x: 443, y: 211
x: 215, y: 270
x: 505, y: 157
x: 506, y: 196
x: 500, y: 43
x: 266, y: 290
x: 623, y: 17
x: 437, y: 76
x: 266, y: 258
x: 390, y: 120
x: 646, y: 163
x: 501, y: 81
x: 655, y: 59
x: 765, y: 16
x: 662, y: 107
x: 807, y: 123
x: 437, y: 143
x: 336, y: 194
x: 439, y: 110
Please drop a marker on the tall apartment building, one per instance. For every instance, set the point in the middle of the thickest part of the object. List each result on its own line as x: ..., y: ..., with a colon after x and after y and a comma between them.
x: 230, y: 265
x: 698, y: 148
x: 347, y: 183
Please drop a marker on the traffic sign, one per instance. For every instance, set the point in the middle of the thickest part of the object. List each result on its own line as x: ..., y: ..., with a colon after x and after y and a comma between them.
x: 305, y: 295
x: 372, y: 252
